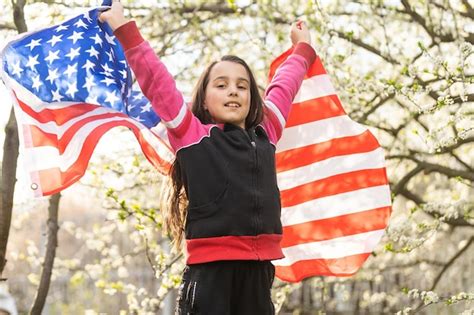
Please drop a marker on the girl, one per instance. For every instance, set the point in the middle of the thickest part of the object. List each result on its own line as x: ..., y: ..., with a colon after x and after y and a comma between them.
x: 224, y: 170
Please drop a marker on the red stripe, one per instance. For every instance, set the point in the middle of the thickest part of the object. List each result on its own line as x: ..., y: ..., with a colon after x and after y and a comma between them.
x: 60, y: 115
x: 315, y: 109
x: 333, y: 185
x: 364, y: 142
x: 41, y: 137
x: 260, y: 247
x: 54, y: 180
x: 344, y: 225
x: 71, y: 131
x: 155, y: 159
x: 316, y: 68
x: 340, y: 267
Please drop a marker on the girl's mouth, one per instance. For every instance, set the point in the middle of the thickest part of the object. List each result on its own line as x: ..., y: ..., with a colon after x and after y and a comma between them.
x: 232, y: 104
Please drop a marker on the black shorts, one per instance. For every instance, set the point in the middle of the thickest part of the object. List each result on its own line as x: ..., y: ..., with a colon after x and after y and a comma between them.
x: 228, y: 287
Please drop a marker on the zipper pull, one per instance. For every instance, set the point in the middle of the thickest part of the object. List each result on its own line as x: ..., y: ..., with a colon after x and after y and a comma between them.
x: 253, y: 144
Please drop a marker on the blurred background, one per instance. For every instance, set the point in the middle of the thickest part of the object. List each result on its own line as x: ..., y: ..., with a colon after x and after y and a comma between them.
x: 404, y: 68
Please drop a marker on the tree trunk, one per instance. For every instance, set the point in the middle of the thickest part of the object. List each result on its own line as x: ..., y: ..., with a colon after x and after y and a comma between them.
x: 10, y: 156
x: 48, y: 263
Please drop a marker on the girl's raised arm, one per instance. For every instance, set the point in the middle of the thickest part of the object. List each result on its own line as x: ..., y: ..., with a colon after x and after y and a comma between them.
x: 156, y: 83
x: 286, y: 82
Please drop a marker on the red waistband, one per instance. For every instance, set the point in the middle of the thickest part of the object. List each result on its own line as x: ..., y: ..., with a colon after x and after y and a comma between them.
x: 260, y: 247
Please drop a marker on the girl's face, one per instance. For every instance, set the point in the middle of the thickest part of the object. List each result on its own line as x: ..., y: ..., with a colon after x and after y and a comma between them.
x: 228, y: 93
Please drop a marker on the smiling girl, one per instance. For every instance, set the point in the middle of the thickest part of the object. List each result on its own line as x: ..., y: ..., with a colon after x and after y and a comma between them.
x: 225, y: 201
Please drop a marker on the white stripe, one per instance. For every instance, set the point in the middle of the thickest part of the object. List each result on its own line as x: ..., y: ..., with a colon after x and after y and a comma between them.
x: 331, y: 249
x: 31, y: 99
x: 178, y: 119
x: 161, y: 149
x: 336, y: 205
x: 161, y: 131
x: 39, y: 158
x: 318, y: 131
x: 315, y: 87
x: 330, y: 167
x: 52, y: 127
x: 277, y: 112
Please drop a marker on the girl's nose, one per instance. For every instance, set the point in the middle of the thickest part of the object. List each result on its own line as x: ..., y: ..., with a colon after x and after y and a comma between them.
x: 232, y: 92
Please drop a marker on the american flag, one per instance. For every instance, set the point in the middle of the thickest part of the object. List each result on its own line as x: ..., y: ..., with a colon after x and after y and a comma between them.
x: 71, y: 84
x: 335, y: 195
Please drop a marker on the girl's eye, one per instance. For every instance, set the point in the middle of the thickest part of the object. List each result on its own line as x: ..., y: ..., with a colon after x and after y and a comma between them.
x: 220, y: 85
x: 242, y: 87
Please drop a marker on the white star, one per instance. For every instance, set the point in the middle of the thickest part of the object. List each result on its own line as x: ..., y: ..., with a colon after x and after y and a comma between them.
x: 71, y: 70
x: 108, y: 71
x: 108, y: 81
x: 34, y: 43
x: 93, y: 52
x: 52, y: 56
x: 32, y: 62
x: 138, y: 97
x: 73, y: 53
x: 87, y: 17
x: 16, y: 68
x: 130, y: 107
x: 92, y: 100
x: 80, y: 23
x: 123, y: 73
x: 57, y: 96
x: 111, y: 55
x: 88, y: 66
x: 138, y: 118
x: 72, y: 89
x: 110, y: 39
x: 37, y: 83
x: 76, y: 36
x: 61, y: 27
x: 89, y: 83
x: 146, y: 108
x: 111, y: 97
x: 55, y: 39
x: 52, y: 75
x: 97, y: 39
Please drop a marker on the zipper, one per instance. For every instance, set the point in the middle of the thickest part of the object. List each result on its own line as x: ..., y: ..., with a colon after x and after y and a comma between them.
x: 252, y: 138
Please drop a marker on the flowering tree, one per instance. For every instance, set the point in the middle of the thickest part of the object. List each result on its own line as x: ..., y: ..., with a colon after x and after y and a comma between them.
x: 404, y: 68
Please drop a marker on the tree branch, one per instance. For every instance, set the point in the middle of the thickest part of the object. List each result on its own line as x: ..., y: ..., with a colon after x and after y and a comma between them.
x: 366, y: 46
x: 7, y: 26
x: 49, y: 257
x: 431, y: 167
x: 450, y: 262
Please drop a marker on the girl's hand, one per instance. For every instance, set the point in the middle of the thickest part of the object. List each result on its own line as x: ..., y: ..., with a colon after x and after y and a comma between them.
x: 300, y: 33
x: 114, y: 16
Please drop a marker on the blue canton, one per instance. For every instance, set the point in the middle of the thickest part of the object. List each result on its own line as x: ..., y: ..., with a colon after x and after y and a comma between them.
x: 77, y: 61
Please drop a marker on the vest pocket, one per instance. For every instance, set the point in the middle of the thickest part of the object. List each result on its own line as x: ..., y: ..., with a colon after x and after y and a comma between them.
x: 209, y: 209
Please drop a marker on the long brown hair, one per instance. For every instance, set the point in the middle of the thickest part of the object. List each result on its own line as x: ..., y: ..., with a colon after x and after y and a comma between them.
x: 175, y: 199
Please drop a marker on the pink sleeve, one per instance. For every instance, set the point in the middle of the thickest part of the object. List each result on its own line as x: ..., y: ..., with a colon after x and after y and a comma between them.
x: 159, y: 87
x: 283, y: 88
